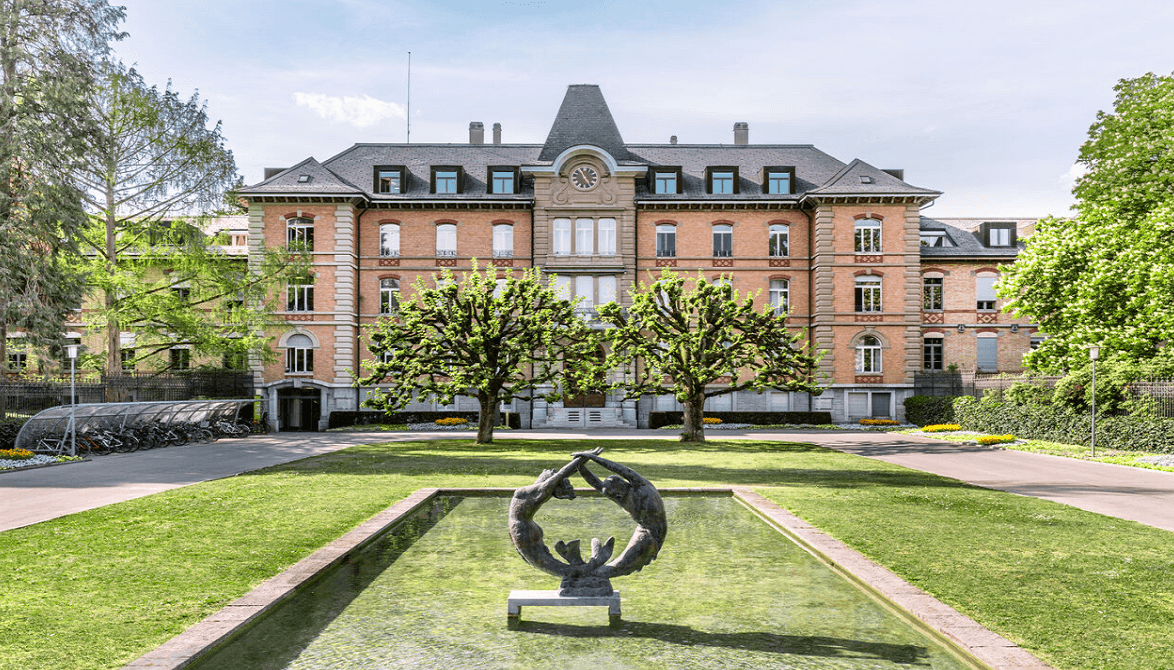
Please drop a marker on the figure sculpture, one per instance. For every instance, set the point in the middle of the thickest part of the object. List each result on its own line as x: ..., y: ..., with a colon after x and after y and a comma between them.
x: 627, y: 488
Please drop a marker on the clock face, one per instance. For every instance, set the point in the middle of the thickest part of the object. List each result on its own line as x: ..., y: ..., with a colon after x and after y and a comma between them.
x: 584, y: 177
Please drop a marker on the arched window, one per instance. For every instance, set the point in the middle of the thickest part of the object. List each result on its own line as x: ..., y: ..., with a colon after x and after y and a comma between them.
x: 723, y: 241
x: 299, y: 354
x: 389, y: 240
x: 299, y: 234
x: 446, y: 239
x: 868, y: 236
x: 503, y: 240
x: 780, y: 296
x: 868, y: 355
x: 780, y: 240
x: 388, y: 296
x: 868, y: 293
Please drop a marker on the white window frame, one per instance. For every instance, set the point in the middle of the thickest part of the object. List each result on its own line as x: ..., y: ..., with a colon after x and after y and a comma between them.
x: 389, y: 295
x: 867, y: 236
x: 607, y: 237
x: 300, y: 297
x: 503, y: 240
x: 984, y: 292
x: 869, y: 355
x: 929, y: 291
x: 446, y: 240
x: 667, y: 232
x: 584, y: 236
x: 560, y: 239
x: 938, y: 356
x: 300, y: 230
x: 779, y: 240
x: 607, y: 289
x: 389, y: 240
x: 867, y: 294
x: 723, y: 240
x: 780, y: 296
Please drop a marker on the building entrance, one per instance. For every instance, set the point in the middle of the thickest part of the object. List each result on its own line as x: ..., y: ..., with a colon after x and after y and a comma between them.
x: 299, y: 409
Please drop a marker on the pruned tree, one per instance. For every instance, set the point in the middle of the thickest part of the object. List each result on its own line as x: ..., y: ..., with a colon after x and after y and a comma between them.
x: 156, y: 166
x: 1106, y: 276
x: 49, y: 53
x: 493, y: 338
x: 703, y: 341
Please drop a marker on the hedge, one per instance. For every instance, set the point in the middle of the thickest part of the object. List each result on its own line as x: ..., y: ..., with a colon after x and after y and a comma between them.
x: 660, y: 419
x: 1047, y: 422
x: 926, y: 410
x: 363, y: 418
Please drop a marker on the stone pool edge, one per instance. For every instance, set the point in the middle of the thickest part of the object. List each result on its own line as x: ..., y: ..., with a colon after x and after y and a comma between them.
x: 948, y: 624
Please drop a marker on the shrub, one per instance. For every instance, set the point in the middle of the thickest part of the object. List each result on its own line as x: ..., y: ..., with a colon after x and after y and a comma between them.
x: 995, y: 439
x: 1056, y: 423
x: 710, y: 420
x: 15, y: 454
x: 879, y: 422
x: 941, y: 428
x: 662, y: 419
x: 926, y: 409
x: 452, y: 421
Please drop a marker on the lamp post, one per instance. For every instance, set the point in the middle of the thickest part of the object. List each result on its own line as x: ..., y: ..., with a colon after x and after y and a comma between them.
x: 71, y: 350
x: 1093, y: 353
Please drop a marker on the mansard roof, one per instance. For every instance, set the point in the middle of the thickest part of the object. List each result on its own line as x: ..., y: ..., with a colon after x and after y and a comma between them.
x: 965, y: 234
x: 812, y: 167
x: 358, y: 164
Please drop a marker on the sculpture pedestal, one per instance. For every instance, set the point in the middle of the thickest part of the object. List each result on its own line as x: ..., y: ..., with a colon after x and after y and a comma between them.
x: 519, y: 599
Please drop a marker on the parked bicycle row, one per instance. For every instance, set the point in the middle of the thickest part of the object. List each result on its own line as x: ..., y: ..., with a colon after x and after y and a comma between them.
x: 99, y: 440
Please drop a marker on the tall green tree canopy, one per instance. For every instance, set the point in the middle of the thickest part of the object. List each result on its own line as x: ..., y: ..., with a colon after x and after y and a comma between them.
x: 1106, y: 276
x: 494, y: 339
x: 154, y: 169
x: 50, y: 51
x: 703, y: 341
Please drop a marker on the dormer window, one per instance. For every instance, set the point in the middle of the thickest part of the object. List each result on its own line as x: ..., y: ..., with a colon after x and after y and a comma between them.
x: 998, y: 234
x: 666, y: 181
x: 778, y: 180
x: 503, y: 180
x: 389, y: 179
x: 722, y: 180
x: 935, y: 238
x: 446, y: 179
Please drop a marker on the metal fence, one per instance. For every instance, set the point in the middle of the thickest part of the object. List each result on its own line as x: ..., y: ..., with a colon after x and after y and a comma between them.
x: 22, y: 397
x: 943, y: 383
x: 1003, y: 381
x: 1160, y: 392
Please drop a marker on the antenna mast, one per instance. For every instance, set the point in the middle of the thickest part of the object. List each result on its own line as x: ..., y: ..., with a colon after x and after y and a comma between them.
x: 409, y: 110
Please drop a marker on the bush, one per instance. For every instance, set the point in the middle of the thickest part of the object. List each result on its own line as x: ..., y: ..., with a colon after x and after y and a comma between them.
x: 941, y: 428
x: 1055, y: 423
x: 662, y: 419
x: 924, y: 410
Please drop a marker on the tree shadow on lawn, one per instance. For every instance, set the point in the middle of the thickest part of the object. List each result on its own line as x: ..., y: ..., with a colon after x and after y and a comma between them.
x: 802, y: 645
x: 430, y: 464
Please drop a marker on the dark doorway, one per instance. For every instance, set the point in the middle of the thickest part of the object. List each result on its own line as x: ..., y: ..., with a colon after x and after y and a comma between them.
x: 299, y: 409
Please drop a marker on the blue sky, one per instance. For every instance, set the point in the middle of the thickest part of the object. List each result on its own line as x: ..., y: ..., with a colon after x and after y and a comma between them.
x: 987, y: 102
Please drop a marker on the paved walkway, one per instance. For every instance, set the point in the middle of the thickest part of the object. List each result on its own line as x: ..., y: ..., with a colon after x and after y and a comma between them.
x: 28, y: 497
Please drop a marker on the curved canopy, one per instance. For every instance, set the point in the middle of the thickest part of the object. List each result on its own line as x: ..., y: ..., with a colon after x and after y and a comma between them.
x: 53, y: 423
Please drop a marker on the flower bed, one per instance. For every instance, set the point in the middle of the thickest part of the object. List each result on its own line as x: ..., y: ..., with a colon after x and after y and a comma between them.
x: 987, y: 440
x: 941, y: 428
x: 879, y: 422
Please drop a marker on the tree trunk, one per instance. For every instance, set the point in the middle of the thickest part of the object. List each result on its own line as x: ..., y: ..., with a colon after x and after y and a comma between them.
x: 694, y: 428
x: 488, y: 418
x: 3, y: 368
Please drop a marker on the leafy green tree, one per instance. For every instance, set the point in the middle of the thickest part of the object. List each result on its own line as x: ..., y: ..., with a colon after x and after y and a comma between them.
x: 49, y: 53
x: 494, y: 339
x: 157, y: 164
x: 684, y: 342
x: 1106, y: 276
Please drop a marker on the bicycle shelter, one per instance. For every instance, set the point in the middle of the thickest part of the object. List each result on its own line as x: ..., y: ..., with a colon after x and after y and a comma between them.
x: 53, y: 423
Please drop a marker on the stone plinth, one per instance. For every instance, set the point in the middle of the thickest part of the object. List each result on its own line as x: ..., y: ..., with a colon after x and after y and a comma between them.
x: 520, y: 599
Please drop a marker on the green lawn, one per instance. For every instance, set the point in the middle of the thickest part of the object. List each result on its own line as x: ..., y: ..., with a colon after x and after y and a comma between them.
x: 96, y: 589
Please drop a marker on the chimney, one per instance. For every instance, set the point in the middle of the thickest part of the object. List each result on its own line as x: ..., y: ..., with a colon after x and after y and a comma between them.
x: 269, y: 172
x: 899, y: 173
x: 741, y: 133
x: 673, y: 139
x: 476, y: 133
x: 497, y: 133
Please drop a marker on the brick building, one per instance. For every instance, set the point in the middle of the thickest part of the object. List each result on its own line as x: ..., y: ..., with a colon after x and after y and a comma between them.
x: 886, y: 292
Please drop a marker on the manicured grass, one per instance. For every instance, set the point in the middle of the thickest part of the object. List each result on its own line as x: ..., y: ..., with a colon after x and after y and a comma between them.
x: 1117, y: 456
x: 96, y: 589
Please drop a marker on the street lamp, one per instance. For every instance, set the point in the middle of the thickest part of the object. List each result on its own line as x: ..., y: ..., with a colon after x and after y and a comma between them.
x: 71, y: 351
x: 1093, y: 353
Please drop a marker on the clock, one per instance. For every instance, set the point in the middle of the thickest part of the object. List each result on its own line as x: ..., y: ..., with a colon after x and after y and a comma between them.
x: 584, y: 177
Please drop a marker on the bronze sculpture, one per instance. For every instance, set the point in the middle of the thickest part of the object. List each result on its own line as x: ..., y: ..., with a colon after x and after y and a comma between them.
x: 627, y: 488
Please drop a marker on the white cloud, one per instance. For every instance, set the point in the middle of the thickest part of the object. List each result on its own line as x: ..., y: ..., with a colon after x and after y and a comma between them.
x: 1075, y: 172
x: 361, y: 112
